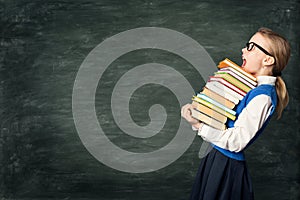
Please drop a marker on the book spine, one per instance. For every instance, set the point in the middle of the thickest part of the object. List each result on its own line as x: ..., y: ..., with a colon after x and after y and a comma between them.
x: 206, y: 98
x: 237, y: 76
x: 234, y: 79
x: 210, y: 112
x: 218, y: 98
x: 242, y: 75
x: 208, y: 120
x: 231, y: 90
x: 221, y: 92
x: 229, y: 82
x: 217, y: 109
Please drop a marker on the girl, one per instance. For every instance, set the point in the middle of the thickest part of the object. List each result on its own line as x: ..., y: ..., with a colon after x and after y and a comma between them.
x: 223, y: 173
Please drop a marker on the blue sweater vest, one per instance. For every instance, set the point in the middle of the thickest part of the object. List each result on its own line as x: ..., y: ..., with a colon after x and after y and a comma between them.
x: 261, y: 89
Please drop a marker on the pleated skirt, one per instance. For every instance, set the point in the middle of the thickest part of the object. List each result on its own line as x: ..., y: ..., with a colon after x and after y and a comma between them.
x: 222, y: 178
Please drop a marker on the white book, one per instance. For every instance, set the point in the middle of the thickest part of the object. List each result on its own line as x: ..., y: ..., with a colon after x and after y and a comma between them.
x: 222, y: 90
x: 227, y: 90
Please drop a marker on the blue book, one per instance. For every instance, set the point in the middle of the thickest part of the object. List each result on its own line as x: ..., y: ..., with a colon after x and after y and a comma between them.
x: 210, y: 100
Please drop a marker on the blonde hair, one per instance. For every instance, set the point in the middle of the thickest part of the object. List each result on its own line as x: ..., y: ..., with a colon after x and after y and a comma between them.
x: 280, y: 49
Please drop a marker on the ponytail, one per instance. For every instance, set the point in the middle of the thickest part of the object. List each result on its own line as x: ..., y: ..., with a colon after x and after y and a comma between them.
x: 282, y: 96
x: 280, y: 49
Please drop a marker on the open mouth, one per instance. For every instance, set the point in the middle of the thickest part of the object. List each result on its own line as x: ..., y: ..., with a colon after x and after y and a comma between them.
x: 244, y: 62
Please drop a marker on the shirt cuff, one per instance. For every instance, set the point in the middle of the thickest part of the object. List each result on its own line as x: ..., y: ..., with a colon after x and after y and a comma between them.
x: 198, y: 129
x: 194, y: 128
x: 205, y: 131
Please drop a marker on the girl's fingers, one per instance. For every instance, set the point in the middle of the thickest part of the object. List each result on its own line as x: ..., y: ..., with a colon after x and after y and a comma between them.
x: 187, y: 114
x: 185, y: 111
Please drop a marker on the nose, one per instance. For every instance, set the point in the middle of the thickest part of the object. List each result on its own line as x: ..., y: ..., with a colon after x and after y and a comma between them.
x: 243, y: 50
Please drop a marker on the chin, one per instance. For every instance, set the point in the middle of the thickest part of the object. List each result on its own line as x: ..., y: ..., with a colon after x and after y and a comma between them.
x: 244, y: 67
x: 249, y: 71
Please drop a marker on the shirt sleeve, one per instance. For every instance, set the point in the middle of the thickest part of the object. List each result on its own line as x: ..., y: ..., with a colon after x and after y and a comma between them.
x: 250, y: 120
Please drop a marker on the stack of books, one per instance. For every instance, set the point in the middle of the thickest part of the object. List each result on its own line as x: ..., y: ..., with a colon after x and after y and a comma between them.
x: 222, y: 92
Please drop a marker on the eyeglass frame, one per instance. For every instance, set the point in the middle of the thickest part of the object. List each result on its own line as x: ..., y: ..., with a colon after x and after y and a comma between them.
x: 249, y: 48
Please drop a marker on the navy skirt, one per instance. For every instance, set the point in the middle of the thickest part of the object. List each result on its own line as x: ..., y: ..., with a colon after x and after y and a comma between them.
x: 222, y: 178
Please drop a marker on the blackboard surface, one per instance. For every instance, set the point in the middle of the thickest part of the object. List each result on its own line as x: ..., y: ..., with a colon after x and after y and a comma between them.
x: 44, y: 43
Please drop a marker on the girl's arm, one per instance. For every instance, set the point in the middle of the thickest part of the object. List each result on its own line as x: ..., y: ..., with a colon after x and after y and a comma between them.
x: 250, y: 120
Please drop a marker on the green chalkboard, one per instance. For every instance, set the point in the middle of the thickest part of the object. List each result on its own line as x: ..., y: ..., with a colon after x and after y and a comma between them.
x: 44, y: 43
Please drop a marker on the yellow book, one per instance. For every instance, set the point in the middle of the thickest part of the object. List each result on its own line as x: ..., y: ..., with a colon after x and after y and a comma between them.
x: 208, y: 120
x: 218, y: 98
x: 227, y: 62
x: 234, y: 81
x: 210, y: 112
x: 216, y: 108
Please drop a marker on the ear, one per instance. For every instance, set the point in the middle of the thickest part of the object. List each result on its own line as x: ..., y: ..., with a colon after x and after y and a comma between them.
x: 269, y: 60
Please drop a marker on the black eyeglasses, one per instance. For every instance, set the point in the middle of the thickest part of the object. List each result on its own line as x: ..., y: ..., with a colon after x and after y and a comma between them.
x: 250, y: 46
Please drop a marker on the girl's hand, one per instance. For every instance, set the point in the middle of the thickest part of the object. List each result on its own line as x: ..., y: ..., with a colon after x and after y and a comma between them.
x: 186, y: 113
